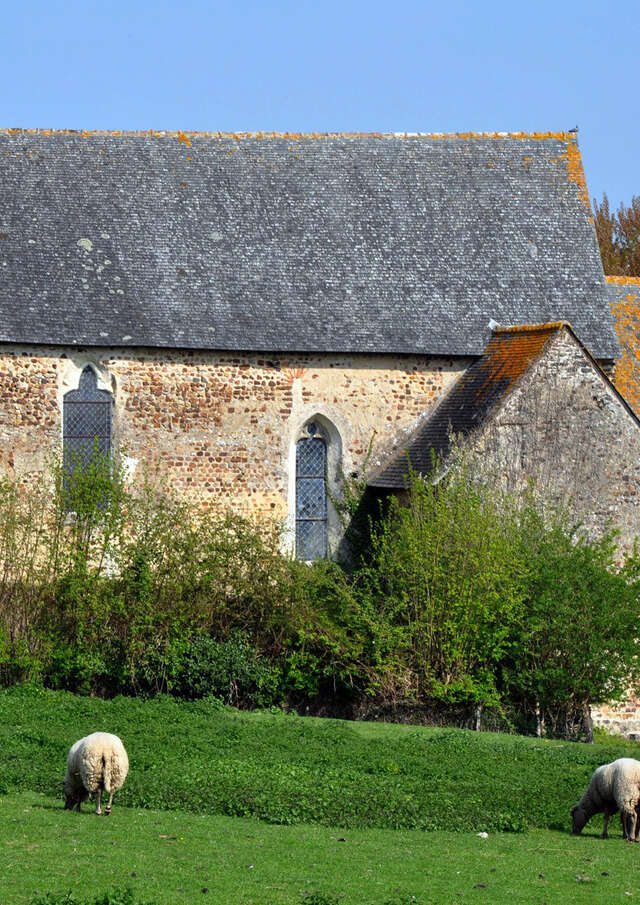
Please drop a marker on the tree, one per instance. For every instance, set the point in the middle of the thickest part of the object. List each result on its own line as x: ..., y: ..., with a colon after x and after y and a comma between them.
x: 629, y: 232
x: 619, y: 237
x: 576, y: 643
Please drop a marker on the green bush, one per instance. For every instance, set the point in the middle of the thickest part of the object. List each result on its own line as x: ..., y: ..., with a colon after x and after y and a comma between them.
x: 231, y: 670
x: 575, y: 642
x: 111, y: 589
x: 468, y: 602
x: 442, y: 590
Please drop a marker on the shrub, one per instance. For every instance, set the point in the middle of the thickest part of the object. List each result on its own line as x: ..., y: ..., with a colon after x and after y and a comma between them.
x: 231, y: 670
x: 442, y: 590
x: 575, y: 642
x: 108, y: 588
x: 468, y: 599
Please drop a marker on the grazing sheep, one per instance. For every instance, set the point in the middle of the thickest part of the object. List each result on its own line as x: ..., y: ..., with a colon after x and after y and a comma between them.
x: 613, y: 787
x: 95, y: 764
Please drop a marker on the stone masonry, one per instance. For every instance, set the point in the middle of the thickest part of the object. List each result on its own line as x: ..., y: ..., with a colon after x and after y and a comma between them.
x: 565, y: 428
x: 220, y: 428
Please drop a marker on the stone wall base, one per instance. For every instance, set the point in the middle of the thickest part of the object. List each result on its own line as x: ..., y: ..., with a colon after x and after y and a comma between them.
x: 621, y: 718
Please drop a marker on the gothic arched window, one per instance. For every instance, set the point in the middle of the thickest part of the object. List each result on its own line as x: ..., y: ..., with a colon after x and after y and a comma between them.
x: 86, y: 430
x: 311, y: 496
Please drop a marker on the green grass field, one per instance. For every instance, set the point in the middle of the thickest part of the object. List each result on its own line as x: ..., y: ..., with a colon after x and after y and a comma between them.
x: 170, y: 857
x: 265, y: 808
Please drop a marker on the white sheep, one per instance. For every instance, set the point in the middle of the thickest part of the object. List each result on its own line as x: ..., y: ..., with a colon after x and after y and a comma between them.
x: 95, y: 764
x: 613, y: 787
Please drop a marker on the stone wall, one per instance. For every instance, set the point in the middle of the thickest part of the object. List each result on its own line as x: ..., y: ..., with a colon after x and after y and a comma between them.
x: 221, y: 428
x: 565, y: 428
x: 619, y: 718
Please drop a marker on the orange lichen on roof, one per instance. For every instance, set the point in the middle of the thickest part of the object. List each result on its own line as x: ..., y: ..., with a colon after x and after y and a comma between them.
x: 512, y: 350
x: 509, y: 354
x: 576, y: 170
x: 626, y: 318
x: 532, y: 328
x: 624, y: 281
x: 297, y: 136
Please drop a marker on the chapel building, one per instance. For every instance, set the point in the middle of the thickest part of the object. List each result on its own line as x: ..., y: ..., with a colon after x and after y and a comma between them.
x: 254, y: 317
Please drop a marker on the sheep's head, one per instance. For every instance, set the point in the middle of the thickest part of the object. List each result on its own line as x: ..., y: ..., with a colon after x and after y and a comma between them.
x: 579, y: 818
x: 70, y: 801
x: 73, y: 796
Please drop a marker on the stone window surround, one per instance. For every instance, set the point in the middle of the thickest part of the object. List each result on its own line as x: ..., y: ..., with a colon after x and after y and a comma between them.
x: 71, y: 370
x: 327, y: 430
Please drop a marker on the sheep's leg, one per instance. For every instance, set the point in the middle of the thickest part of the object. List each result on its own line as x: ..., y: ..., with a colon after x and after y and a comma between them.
x: 629, y: 824
x: 107, y: 810
x: 607, y: 815
x: 98, y: 801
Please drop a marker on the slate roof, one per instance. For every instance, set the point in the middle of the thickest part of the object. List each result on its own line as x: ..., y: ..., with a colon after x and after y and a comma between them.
x: 487, y: 382
x: 624, y: 297
x: 344, y: 243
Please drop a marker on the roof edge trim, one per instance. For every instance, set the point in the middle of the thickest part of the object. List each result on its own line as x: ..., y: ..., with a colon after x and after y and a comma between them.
x: 186, y: 134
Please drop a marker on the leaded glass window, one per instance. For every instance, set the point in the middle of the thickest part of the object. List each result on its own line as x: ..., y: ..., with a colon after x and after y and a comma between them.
x: 311, y: 496
x: 86, y: 431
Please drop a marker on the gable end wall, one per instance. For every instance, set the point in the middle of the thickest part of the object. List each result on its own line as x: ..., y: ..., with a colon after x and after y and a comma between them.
x: 565, y: 427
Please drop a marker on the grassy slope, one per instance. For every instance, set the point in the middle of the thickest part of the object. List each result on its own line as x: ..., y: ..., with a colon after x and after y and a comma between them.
x: 170, y: 857
x: 289, y: 770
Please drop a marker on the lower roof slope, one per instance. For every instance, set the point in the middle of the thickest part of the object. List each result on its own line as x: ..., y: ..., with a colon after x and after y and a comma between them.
x: 358, y: 243
x: 466, y: 407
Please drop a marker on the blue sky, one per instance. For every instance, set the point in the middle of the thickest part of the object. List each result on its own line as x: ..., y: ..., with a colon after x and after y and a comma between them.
x: 333, y: 66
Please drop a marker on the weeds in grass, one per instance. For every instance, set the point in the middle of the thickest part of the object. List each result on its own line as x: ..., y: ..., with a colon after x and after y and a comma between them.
x: 127, y: 897
x: 284, y: 769
x: 113, y: 897
x: 319, y: 898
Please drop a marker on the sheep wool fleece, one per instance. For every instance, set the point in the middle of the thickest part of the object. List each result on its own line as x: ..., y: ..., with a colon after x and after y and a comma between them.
x: 95, y: 764
x: 613, y: 787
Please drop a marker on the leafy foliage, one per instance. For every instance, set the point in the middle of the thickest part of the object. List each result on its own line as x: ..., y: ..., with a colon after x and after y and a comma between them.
x: 443, y: 589
x: 575, y: 642
x: 468, y: 600
x: 202, y: 757
x: 619, y: 237
x: 130, y: 589
x: 230, y: 670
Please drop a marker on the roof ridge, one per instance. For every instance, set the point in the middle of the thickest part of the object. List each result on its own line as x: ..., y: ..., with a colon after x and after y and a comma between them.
x: 181, y: 134
x: 533, y: 328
